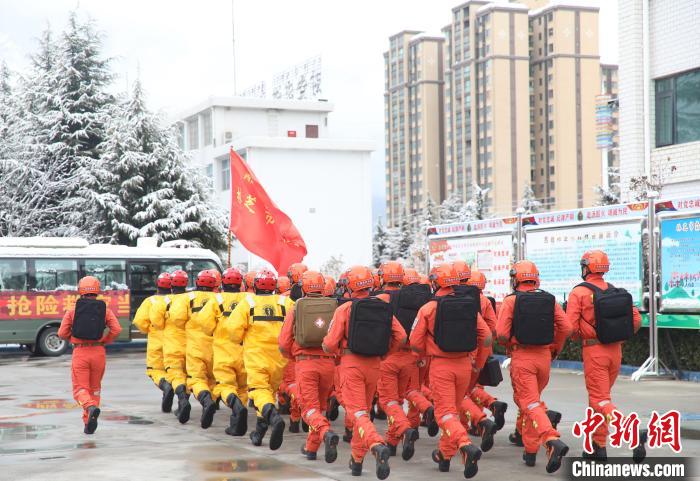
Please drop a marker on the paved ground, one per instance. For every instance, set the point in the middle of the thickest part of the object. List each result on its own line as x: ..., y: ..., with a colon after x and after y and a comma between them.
x: 41, y: 433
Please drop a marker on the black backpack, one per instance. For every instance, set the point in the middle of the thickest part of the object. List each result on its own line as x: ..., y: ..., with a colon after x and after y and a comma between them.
x: 455, y: 323
x: 613, y: 308
x: 492, y: 300
x: 491, y: 374
x: 370, y: 333
x: 407, y: 301
x: 89, y: 320
x: 533, y: 318
x: 295, y: 292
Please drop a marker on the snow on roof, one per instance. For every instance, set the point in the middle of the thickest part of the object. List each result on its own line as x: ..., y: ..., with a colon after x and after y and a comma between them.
x: 255, y: 104
x: 501, y: 5
x: 427, y: 36
x: 554, y: 4
x: 57, y: 242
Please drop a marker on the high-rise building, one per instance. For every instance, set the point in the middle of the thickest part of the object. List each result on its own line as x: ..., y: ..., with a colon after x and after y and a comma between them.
x: 660, y: 93
x: 413, y: 123
x: 611, y: 155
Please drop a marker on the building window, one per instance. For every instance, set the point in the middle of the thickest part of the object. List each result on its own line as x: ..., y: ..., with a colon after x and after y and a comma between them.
x: 209, y: 173
x: 678, y: 109
x: 193, y: 133
x: 206, y: 128
x: 312, y: 131
x: 225, y: 174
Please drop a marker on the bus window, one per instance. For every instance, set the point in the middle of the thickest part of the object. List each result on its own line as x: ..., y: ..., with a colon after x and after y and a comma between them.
x: 192, y: 267
x: 143, y: 276
x: 110, y: 272
x: 13, y: 275
x: 56, y: 274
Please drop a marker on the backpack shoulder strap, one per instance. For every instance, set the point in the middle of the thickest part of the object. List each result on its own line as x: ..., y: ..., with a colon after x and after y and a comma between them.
x: 592, y: 287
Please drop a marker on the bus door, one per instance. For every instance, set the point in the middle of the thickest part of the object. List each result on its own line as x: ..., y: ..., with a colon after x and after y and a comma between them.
x: 142, y: 280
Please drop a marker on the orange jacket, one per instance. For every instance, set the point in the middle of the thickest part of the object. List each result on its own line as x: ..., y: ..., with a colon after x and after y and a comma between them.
x: 422, y: 337
x: 64, y: 332
x: 579, y: 309
x: 288, y: 346
x: 337, y: 338
x: 488, y: 313
x: 562, y: 326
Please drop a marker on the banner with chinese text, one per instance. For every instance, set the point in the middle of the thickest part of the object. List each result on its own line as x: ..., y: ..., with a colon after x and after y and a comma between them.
x: 19, y: 305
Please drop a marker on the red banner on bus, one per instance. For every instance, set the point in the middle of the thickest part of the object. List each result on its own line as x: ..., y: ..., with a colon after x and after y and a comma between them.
x: 18, y: 305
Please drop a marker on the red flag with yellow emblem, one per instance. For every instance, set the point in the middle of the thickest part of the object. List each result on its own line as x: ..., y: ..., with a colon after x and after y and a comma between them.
x: 258, y: 223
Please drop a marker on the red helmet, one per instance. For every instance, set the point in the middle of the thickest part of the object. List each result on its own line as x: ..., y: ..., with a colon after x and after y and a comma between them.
x: 207, y: 278
x: 524, y: 271
x: 444, y: 275
x: 359, y: 278
x: 89, y: 285
x: 329, y: 290
x: 283, y: 284
x: 265, y: 280
x: 249, y: 278
x: 295, y: 271
x: 179, y: 278
x: 232, y: 277
x: 464, y: 272
x: 312, y: 281
x: 164, y: 281
x: 596, y: 261
x: 376, y: 281
x: 391, y: 272
x: 410, y: 276
x: 477, y: 279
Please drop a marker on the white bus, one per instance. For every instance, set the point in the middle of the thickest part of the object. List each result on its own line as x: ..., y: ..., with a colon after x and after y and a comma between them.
x: 39, y: 278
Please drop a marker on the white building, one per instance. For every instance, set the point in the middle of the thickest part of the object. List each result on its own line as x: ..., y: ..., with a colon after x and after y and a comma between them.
x: 323, y: 184
x: 659, y: 92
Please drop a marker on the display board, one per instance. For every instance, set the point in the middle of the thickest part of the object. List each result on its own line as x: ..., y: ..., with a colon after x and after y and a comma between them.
x: 491, y: 254
x: 557, y: 252
x: 680, y: 264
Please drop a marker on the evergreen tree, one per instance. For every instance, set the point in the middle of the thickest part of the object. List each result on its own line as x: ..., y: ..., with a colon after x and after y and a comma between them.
x: 404, y: 237
x: 423, y: 219
x: 476, y: 206
x: 530, y: 202
x: 610, y: 195
x: 379, y: 244
x: 450, y: 209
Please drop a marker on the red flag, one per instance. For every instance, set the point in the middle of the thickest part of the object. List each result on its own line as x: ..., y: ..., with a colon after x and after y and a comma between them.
x: 258, y: 223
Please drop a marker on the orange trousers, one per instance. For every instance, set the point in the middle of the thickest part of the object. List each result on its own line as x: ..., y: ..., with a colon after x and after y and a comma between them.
x: 601, y: 365
x: 289, y: 387
x: 358, y: 384
x: 529, y: 372
x: 395, y: 373
x: 314, y: 383
x: 449, y: 379
x: 87, y: 369
x: 347, y: 420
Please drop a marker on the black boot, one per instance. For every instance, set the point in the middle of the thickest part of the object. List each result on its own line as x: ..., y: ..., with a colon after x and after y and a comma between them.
x: 276, y: 424
x: 166, y: 405
x: 409, y: 439
x: 556, y: 449
x: 91, y: 425
x: 304, y: 426
x: 431, y: 422
x: 392, y: 449
x: 284, y: 404
x: 260, y: 429
x: 311, y: 456
x: 498, y: 409
x: 183, y: 404
x: 355, y: 467
x: 238, y: 422
x: 599, y: 453
x: 487, y: 429
x: 347, y: 437
x: 381, y: 454
x: 516, y: 438
x: 330, y: 444
x: 530, y: 459
x: 379, y: 414
x: 208, y: 409
x: 332, y: 409
x: 554, y: 417
x: 443, y: 464
x: 470, y: 455
x: 640, y: 452
x: 294, y: 427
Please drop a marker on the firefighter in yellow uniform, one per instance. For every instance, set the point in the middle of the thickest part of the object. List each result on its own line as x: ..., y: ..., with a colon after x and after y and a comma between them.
x: 150, y: 319
x: 175, y: 341
x: 229, y: 370
x: 256, y: 322
x: 203, y: 315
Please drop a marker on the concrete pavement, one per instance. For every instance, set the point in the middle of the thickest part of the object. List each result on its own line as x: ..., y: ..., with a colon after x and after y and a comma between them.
x: 41, y: 434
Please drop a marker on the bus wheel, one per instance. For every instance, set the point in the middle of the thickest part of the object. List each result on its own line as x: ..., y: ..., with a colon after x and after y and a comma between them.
x: 49, y: 344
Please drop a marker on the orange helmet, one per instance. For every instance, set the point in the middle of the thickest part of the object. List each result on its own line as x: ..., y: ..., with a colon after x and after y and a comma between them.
x: 376, y: 281
x: 477, y: 279
x: 207, y: 278
x: 425, y: 279
x: 283, y: 284
x: 249, y: 278
x: 265, y: 280
x: 359, y: 278
x: 444, y: 275
x: 391, y: 272
x: 524, y: 271
x: 312, y: 281
x: 596, y: 261
x: 410, y: 276
x: 164, y: 281
x: 329, y: 290
x: 464, y: 272
x: 232, y: 277
x: 89, y: 285
x: 295, y: 271
x: 179, y: 278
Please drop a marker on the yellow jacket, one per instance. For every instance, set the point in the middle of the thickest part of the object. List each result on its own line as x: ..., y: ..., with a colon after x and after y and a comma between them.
x: 257, y: 320
x: 151, y: 313
x: 179, y: 311
x: 205, y: 310
x: 142, y: 319
x: 221, y: 333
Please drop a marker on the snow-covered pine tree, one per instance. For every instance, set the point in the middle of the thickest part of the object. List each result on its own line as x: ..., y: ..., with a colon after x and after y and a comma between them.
x: 529, y: 201
x: 404, y: 237
x: 379, y: 244
x: 423, y: 219
x: 8, y: 113
x: 610, y: 195
x: 475, y: 208
x: 449, y: 210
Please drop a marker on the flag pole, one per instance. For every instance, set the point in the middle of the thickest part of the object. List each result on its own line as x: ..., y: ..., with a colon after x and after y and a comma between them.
x: 228, y: 262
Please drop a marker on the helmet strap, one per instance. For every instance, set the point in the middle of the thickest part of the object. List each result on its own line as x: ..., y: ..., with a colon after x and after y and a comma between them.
x: 162, y: 291
x: 232, y: 288
x: 178, y: 289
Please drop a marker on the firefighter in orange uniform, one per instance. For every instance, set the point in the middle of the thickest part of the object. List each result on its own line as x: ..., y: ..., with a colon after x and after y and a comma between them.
x: 314, y: 368
x: 248, y: 281
x: 533, y: 326
x: 449, y: 329
x: 363, y: 330
x: 288, y: 395
x: 84, y: 325
x: 602, y: 340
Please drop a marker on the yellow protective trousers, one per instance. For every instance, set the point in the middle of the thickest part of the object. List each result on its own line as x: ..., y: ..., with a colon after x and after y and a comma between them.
x: 175, y: 340
x: 150, y: 319
x: 229, y: 369
x: 200, y: 353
